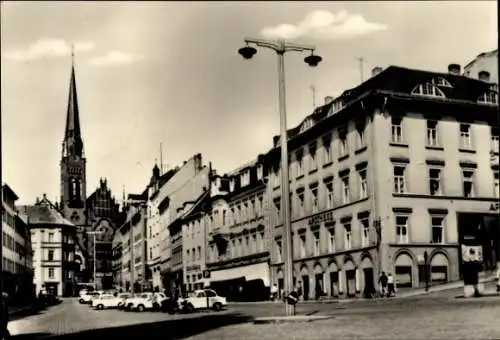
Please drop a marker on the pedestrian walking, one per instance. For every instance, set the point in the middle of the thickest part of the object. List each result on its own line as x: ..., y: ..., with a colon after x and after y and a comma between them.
x: 318, y: 291
x: 5, y: 317
x: 498, y: 278
x: 391, y: 286
x: 382, y: 281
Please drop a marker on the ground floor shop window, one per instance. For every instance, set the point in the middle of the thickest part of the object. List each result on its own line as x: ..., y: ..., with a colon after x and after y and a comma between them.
x: 334, y: 284
x: 403, y: 276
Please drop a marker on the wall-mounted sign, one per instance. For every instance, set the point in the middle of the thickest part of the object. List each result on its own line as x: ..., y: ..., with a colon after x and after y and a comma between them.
x: 325, y: 217
x: 206, y: 274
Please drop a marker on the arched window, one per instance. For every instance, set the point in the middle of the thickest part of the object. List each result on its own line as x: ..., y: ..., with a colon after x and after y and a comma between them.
x: 428, y: 89
x: 337, y: 105
x: 80, y: 187
x: 306, y: 125
x: 490, y: 97
x: 440, y: 81
x: 73, y: 188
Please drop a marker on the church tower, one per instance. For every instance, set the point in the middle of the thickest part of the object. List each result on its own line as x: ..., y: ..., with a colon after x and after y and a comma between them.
x: 73, y: 172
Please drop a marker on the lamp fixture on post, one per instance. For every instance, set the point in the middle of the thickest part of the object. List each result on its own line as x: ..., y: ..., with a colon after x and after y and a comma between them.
x: 281, y: 47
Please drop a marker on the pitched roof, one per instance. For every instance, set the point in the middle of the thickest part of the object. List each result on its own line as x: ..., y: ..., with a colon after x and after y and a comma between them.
x: 398, y: 79
x: 43, y: 212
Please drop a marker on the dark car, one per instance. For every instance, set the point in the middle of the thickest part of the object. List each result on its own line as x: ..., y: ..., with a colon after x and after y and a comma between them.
x: 169, y: 305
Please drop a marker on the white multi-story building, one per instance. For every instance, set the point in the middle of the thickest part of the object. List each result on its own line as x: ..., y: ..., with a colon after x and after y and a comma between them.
x: 17, y: 254
x: 53, y: 241
x: 484, y: 67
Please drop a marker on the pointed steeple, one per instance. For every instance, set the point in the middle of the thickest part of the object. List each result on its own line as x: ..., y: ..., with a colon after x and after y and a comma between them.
x: 73, y: 143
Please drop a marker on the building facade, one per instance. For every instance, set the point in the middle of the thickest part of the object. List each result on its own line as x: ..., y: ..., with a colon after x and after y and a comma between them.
x: 384, y: 177
x: 484, y: 62
x: 53, y: 241
x: 178, y: 203
x: 237, y: 234
x: 17, y: 253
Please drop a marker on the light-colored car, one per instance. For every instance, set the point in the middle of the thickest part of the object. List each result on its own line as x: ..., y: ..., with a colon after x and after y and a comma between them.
x: 203, y: 299
x: 145, y: 301
x: 123, y: 299
x: 87, y: 297
x: 107, y: 301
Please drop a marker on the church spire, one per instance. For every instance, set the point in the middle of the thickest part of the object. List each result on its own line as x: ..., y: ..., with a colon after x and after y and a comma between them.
x: 73, y: 143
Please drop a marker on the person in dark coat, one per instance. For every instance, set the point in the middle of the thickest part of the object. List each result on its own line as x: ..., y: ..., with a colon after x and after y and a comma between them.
x: 5, y: 317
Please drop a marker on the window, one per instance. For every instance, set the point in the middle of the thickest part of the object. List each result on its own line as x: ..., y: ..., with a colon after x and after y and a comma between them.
x: 302, y: 245
x: 188, y: 257
x: 440, y: 81
x: 465, y: 136
x: 262, y: 240
x: 343, y: 146
x: 279, y: 251
x: 51, y: 255
x: 316, y: 250
x: 300, y: 202
x: 345, y: 189
x: 435, y: 182
x: 277, y: 205
x: 360, y: 129
x: 427, y: 89
x: 494, y: 139
x: 51, y: 237
x: 150, y: 253
x: 247, y: 245
x: 437, y: 230
x: 399, y: 179
x: 397, y: 130
x: 402, y: 229
x: 51, y: 273
x: 327, y: 147
x: 329, y: 193
x: 432, y: 133
x: 253, y: 244
x: 312, y: 153
x: 496, y: 184
x: 314, y: 198
x: 468, y: 183
x: 490, y: 97
x: 299, y: 163
x: 331, y: 237
x: 223, y: 217
x: 347, y: 236
x: 363, y: 184
x: 365, y: 232
x: 233, y: 248
x: 199, y: 253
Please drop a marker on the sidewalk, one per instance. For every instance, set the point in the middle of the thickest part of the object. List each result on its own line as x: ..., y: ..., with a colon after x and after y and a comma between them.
x: 400, y: 294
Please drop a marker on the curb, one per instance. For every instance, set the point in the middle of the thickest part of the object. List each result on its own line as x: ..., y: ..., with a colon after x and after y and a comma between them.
x: 291, y: 319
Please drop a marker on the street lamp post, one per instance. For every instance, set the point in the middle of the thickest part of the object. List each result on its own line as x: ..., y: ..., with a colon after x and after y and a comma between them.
x: 281, y: 47
x: 94, y: 233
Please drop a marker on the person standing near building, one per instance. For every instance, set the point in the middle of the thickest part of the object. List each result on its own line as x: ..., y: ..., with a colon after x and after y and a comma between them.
x: 382, y: 281
x: 5, y: 317
x: 391, y: 287
x: 498, y: 278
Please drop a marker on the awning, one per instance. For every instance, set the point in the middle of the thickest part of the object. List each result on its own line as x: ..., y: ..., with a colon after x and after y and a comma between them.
x: 258, y: 271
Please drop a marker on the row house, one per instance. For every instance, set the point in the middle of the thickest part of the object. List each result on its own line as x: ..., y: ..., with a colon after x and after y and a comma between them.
x: 17, y: 253
x: 53, y: 242
x: 237, y: 233
x: 193, y: 182
x: 385, y: 178
x: 130, y: 270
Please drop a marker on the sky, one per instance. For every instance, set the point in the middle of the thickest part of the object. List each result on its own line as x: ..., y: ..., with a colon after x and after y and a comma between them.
x: 169, y: 73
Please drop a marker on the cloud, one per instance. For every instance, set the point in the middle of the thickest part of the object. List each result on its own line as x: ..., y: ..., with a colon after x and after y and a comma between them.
x: 324, y: 25
x: 48, y: 48
x: 115, y: 58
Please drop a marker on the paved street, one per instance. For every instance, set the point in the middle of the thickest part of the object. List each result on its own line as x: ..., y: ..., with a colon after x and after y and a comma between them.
x: 436, y: 316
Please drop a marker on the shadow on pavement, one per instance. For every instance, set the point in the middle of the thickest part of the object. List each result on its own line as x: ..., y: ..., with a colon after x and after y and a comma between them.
x: 164, y: 330
x: 38, y: 308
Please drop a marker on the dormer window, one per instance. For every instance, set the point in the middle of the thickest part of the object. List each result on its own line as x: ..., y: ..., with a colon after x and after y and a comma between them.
x: 440, y: 81
x: 428, y: 89
x: 245, y: 178
x: 306, y: 125
x: 490, y: 97
x: 337, y: 106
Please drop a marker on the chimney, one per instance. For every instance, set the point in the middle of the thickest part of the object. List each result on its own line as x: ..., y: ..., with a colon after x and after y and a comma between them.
x: 328, y: 99
x: 484, y: 76
x: 454, y: 69
x: 376, y: 70
x: 37, y: 200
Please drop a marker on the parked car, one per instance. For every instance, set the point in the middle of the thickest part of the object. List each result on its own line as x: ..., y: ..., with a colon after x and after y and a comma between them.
x: 87, y: 297
x: 145, y: 301
x: 170, y: 305
x: 123, y: 299
x: 106, y: 301
x: 203, y: 299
